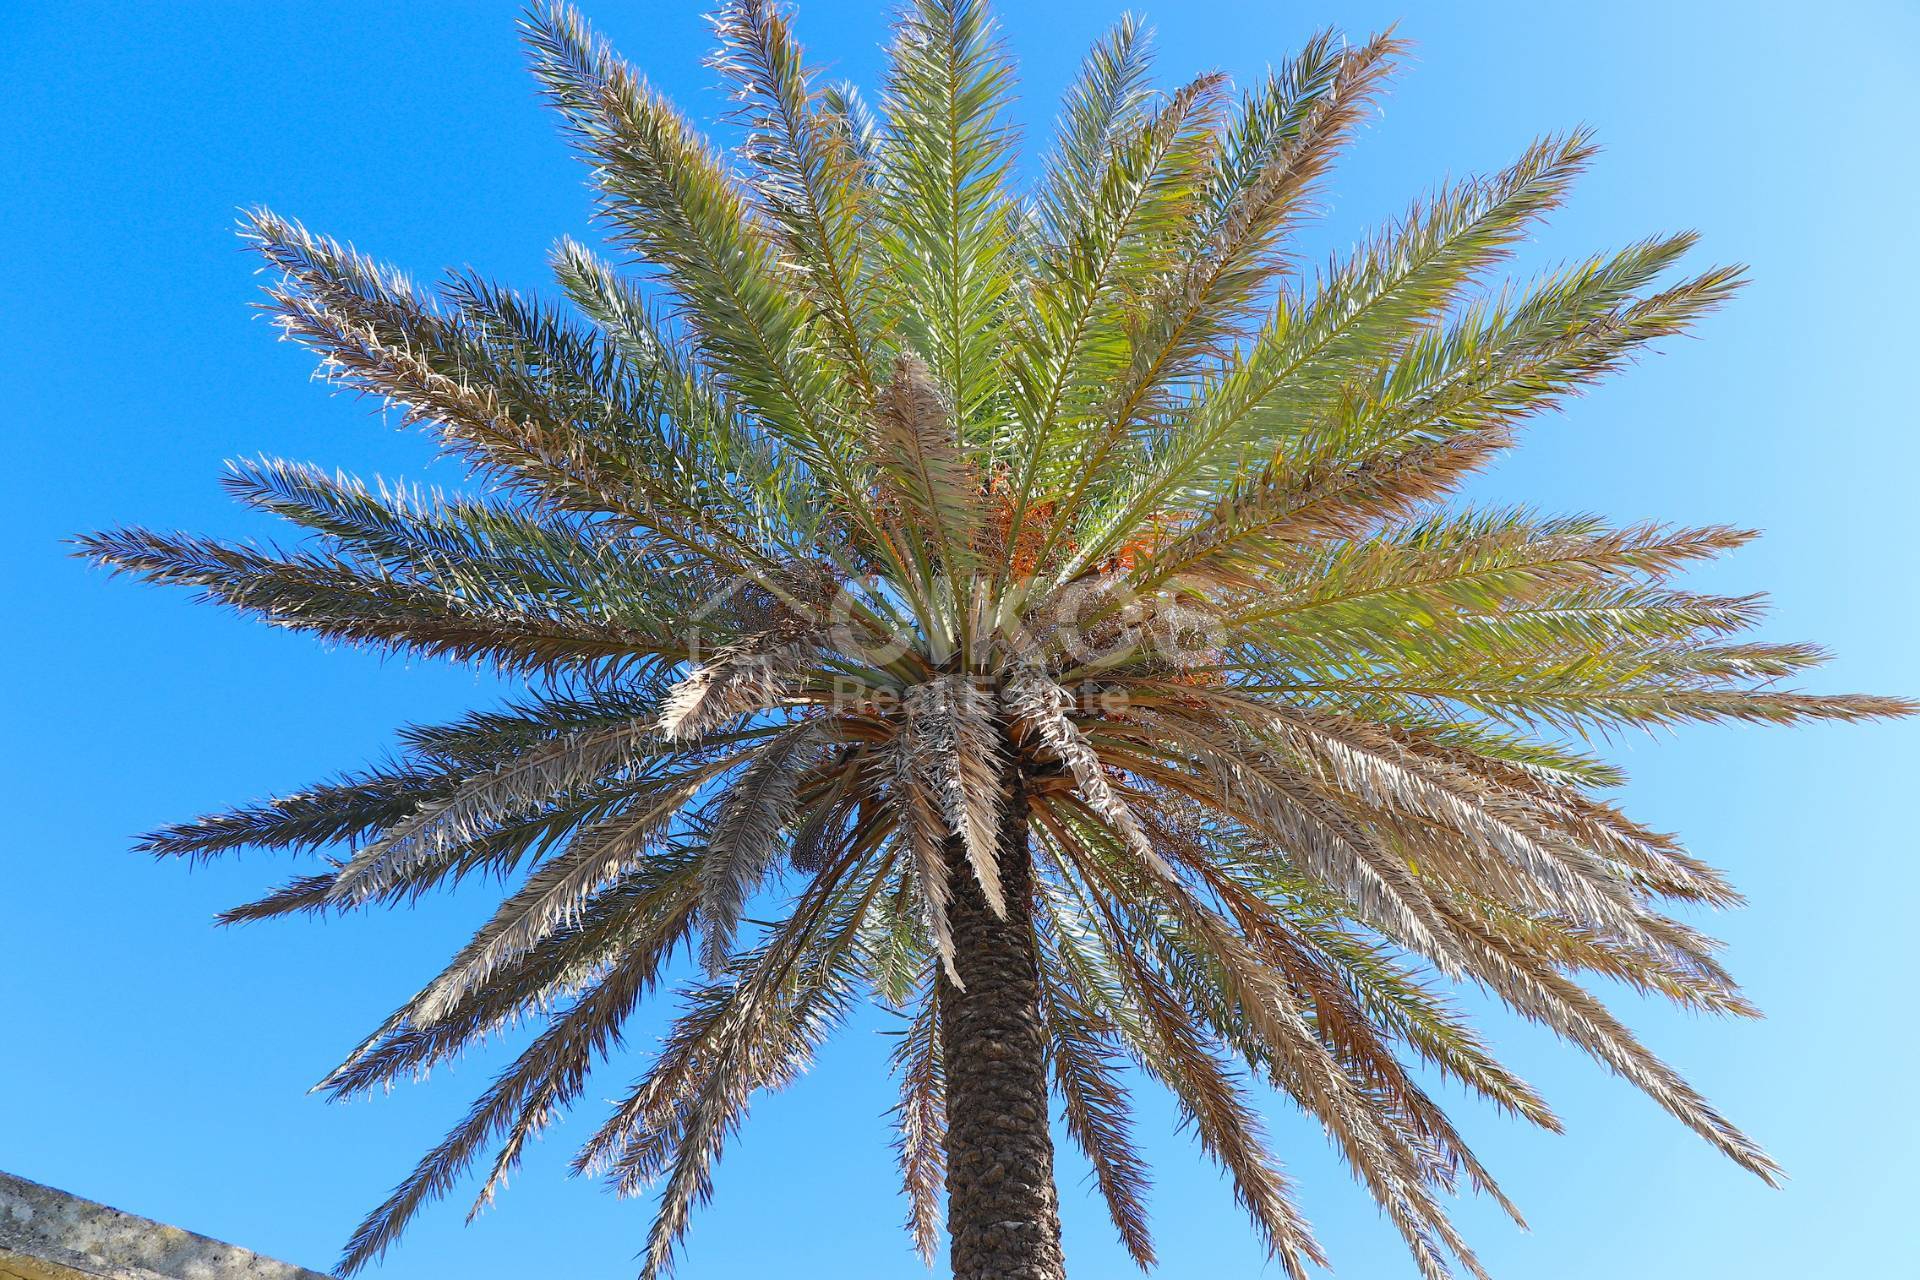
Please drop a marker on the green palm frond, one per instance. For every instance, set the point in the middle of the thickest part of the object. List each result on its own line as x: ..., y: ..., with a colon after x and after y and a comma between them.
x: 671, y: 202
x: 1107, y: 97
x: 811, y: 178
x: 947, y: 222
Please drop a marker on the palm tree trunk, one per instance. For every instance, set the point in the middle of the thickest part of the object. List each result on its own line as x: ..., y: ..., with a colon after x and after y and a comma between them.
x: 1003, y: 1213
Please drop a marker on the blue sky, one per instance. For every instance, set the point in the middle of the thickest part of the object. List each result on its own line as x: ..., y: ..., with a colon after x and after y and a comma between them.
x: 151, y: 1061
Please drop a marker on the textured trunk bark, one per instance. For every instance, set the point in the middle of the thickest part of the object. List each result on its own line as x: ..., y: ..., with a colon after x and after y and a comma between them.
x: 1003, y: 1213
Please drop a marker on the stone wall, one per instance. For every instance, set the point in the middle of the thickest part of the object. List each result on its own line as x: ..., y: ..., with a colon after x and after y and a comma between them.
x: 49, y: 1235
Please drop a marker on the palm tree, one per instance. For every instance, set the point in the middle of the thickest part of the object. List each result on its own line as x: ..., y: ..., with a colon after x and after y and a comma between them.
x: 1037, y: 613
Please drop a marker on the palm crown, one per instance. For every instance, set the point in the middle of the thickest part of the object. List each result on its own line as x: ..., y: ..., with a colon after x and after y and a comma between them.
x: 1048, y: 590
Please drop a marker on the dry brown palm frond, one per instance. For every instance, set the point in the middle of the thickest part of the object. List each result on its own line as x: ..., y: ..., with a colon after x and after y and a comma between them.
x: 953, y: 725
x: 1394, y: 1163
x: 923, y: 832
x: 1319, y: 836
x: 546, y: 1076
x: 744, y: 840
x: 1039, y: 707
x: 1172, y: 1049
x: 1084, y: 1046
x: 735, y: 682
x: 1344, y: 1025
x: 642, y: 920
x: 927, y: 475
x: 922, y: 1121
x: 515, y: 786
x: 1531, y: 987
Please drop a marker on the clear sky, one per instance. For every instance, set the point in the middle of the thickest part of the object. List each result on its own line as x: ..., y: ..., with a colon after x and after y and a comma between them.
x: 154, y: 1062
